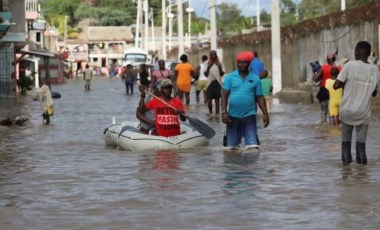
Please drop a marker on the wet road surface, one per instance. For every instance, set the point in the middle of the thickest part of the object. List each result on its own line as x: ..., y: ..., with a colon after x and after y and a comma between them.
x: 62, y: 176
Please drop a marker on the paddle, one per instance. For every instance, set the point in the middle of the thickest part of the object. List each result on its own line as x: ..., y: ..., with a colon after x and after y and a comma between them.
x: 197, y: 124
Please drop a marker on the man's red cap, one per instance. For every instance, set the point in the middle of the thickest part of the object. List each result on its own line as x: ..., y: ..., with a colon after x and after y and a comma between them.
x: 330, y: 55
x: 246, y: 56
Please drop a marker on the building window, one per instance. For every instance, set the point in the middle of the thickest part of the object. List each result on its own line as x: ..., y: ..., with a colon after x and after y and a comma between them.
x: 38, y: 37
x: 31, y: 6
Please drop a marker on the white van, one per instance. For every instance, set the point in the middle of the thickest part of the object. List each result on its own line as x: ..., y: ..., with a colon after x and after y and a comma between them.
x: 136, y: 56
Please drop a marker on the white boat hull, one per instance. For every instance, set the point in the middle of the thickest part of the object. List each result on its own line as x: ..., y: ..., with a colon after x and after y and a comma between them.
x: 127, y: 137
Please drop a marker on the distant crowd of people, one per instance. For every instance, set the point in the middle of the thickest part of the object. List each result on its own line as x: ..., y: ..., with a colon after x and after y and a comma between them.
x: 345, y: 93
x: 235, y: 94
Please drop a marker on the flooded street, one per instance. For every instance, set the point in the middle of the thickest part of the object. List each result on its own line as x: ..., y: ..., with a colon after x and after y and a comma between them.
x: 62, y: 176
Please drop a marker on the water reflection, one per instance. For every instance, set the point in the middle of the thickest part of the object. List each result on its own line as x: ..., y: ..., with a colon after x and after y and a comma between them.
x: 163, y: 164
x: 64, y: 177
x: 10, y: 166
x: 240, y: 175
x: 166, y: 159
x: 240, y: 158
x: 355, y: 173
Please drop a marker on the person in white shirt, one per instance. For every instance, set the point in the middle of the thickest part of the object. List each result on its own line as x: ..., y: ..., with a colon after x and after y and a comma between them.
x: 202, y: 80
x: 87, y: 77
x: 360, y: 80
x: 214, y: 73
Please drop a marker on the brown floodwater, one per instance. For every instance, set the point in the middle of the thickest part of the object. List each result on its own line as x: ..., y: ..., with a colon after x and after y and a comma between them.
x: 63, y: 176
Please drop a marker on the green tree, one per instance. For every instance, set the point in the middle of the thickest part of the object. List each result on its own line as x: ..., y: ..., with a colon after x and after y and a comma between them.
x: 58, y: 22
x: 229, y: 17
x: 230, y: 20
x: 109, y: 13
x: 288, y: 13
x: 314, y: 8
x: 105, y: 16
x: 59, y: 7
x: 157, y: 11
x: 198, y: 25
x: 265, y: 18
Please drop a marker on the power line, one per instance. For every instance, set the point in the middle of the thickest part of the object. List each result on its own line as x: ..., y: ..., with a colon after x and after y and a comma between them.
x: 246, y: 8
x: 204, y: 8
x: 351, y: 27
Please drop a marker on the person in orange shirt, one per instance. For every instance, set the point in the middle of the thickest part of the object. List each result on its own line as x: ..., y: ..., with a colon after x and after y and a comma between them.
x: 183, y: 73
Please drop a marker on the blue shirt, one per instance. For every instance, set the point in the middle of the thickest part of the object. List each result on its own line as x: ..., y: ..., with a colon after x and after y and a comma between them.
x: 256, y: 66
x: 243, y: 92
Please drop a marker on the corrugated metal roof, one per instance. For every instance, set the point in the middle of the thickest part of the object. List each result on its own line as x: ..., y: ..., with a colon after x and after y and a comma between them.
x: 14, y: 37
x: 43, y: 53
x: 107, y: 33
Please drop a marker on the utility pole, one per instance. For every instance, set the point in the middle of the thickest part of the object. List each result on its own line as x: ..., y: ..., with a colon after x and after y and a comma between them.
x: 138, y: 22
x: 65, y: 33
x: 153, y: 39
x: 189, y: 10
x: 181, y: 49
x: 146, y: 24
x: 212, y: 6
x: 170, y: 16
x: 276, y: 47
x: 343, y: 5
x: 258, y: 15
x: 163, y: 30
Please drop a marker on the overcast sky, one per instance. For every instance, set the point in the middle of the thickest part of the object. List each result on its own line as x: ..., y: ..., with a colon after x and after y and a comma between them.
x: 248, y: 7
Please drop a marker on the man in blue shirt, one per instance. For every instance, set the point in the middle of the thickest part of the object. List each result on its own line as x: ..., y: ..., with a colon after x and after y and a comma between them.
x: 241, y: 90
x: 256, y: 66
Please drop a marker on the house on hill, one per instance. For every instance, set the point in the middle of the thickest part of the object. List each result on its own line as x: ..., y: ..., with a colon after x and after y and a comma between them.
x: 106, y: 44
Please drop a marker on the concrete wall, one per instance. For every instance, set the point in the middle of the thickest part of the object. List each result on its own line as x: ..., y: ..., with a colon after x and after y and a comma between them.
x: 17, y: 7
x: 303, y: 43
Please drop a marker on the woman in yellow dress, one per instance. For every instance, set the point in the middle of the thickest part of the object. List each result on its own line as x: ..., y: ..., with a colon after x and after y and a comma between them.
x: 335, y: 96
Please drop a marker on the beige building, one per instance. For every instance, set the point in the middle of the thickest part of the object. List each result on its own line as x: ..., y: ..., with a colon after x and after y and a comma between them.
x: 22, y: 45
x: 105, y: 45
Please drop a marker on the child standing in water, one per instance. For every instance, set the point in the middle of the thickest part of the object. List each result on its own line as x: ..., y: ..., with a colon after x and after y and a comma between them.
x: 335, y: 96
x: 266, y: 85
